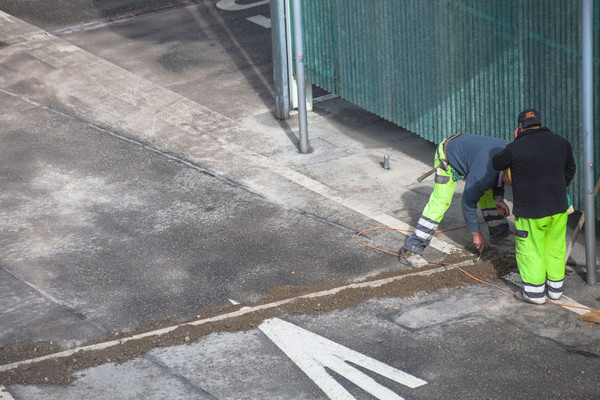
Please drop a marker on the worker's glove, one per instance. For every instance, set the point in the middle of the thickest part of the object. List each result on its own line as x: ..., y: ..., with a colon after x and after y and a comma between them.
x: 478, y: 241
x: 502, y: 208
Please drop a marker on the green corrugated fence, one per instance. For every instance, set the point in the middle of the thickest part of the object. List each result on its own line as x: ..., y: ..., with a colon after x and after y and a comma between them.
x: 439, y: 67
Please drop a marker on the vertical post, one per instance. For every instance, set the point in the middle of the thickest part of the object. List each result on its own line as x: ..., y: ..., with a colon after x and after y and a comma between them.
x: 280, y: 59
x: 299, y: 62
x: 292, y: 88
x: 588, y: 137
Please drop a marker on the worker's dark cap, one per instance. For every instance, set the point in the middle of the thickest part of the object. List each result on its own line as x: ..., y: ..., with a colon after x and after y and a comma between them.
x: 529, y: 117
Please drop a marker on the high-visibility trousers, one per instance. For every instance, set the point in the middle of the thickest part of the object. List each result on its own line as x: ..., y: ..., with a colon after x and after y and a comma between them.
x: 540, y: 247
x: 439, y: 202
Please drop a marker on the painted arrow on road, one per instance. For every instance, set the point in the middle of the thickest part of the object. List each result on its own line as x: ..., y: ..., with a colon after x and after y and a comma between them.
x: 313, y: 353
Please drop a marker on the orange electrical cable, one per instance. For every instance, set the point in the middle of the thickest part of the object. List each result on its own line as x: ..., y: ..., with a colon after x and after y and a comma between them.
x: 473, y: 277
x: 399, y: 230
x: 453, y: 265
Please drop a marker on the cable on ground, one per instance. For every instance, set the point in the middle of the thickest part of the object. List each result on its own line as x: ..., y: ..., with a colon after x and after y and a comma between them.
x: 450, y: 264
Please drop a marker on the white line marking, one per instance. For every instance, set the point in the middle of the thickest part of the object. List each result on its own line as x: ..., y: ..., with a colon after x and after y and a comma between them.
x: 88, y: 26
x: 378, y: 216
x: 313, y: 353
x: 183, y: 118
x: 6, y: 17
x: 260, y: 20
x: 240, y: 48
x: 222, y: 317
x: 4, y: 395
x: 564, y: 301
x: 231, y: 5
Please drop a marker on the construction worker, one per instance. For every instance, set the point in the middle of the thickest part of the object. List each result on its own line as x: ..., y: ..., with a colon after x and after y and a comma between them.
x: 467, y: 156
x: 541, y: 166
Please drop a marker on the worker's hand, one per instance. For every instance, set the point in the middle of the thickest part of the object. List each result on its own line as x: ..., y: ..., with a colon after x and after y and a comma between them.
x: 478, y: 241
x: 502, y: 209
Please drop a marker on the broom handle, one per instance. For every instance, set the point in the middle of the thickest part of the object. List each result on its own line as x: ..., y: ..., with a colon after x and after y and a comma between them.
x: 580, y: 224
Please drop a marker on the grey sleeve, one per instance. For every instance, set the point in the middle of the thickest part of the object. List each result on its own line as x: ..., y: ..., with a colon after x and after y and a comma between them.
x: 471, y: 196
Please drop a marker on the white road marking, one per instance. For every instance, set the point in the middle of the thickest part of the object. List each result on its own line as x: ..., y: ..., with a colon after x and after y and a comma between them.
x: 375, y: 215
x: 260, y: 20
x: 231, y: 5
x: 570, y: 304
x: 240, y: 48
x: 4, y: 395
x: 6, y: 17
x: 313, y: 353
x: 222, y: 317
x: 564, y: 301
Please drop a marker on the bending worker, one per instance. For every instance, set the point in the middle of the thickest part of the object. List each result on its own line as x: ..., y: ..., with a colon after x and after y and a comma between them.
x: 541, y: 166
x: 468, y: 156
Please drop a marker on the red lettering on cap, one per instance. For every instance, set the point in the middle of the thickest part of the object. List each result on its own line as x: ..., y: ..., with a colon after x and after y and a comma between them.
x: 530, y: 114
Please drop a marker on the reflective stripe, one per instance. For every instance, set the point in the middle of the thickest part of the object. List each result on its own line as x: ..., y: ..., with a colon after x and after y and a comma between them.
x: 427, y: 223
x: 537, y: 298
x: 555, y: 284
x: 555, y: 287
x: 491, y: 214
x: 496, y: 222
x: 534, y: 288
x: 423, y: 235
x: 425, y: 228
x: 535, y: 293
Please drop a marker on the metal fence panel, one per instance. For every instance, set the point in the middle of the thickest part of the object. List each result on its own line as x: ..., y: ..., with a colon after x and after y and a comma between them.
x: 437, y: 67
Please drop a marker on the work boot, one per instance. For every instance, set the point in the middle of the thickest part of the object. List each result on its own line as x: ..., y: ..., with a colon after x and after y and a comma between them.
x: 412, y: 259
x: 520, y: 296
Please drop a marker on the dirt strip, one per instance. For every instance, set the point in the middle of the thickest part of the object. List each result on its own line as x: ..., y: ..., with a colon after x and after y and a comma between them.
x: 57, y: 367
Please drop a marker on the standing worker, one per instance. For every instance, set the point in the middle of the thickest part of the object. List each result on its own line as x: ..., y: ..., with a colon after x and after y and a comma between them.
x: 468, y: 156
x: 541, y: 166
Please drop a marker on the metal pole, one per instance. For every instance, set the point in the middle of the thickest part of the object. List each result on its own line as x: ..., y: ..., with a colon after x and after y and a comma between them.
x: 292, y: 88
x: 280, y: 59
x: 588, y: 137
x: 299, y: 55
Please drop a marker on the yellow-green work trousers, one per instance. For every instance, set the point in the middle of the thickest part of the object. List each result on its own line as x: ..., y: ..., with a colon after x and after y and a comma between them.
x: 540, y: 248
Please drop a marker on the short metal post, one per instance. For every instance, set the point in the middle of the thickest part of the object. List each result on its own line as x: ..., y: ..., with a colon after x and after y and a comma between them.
x: 299, y: 62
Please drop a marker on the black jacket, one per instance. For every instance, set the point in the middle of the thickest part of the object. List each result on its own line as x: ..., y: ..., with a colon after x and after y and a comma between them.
x: 542, y: 166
